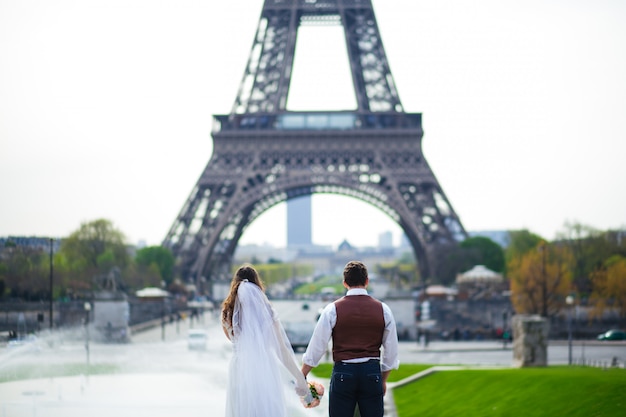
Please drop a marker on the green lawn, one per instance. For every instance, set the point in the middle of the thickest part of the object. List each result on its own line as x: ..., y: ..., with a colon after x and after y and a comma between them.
x: 334, y: 281
x: 536, y: 392
x: 551, y: 391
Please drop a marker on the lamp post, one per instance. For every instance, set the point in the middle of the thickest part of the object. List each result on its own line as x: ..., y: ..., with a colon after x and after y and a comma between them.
x: 87, y: 307
x: 569, y: 300
x: 51, y: 284
x: 504, y: 326
x: 162, y: 322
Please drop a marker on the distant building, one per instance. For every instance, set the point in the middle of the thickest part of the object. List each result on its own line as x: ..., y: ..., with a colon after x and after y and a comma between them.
x: 299, y: 229
x: 262, y: 253
x: 479, y: 274
x: 328, y: 260
x: 481, y: 283
x: 385, y: 240
x: 34, y: 242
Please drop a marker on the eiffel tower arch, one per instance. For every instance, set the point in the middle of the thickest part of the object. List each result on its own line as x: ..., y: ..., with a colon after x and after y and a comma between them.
x: 264, y: 154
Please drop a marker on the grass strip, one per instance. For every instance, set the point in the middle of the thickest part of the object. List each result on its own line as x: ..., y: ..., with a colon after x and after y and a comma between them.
x: 551, y: 391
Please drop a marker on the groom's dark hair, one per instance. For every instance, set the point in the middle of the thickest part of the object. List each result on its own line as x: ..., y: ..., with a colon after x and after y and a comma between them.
x: 355, y: 274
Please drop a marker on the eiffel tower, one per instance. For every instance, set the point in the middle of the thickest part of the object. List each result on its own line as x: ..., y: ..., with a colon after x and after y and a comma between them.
x: 264, y: 154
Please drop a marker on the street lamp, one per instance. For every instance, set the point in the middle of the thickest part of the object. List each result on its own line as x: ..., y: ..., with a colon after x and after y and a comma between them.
x: 504, y: 326
x: 163, y: 322
x: 87, y: 307
x: 569, y: 300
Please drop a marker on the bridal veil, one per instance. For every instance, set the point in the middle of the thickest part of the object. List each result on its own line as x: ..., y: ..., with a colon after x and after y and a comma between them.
x: 264, y: 374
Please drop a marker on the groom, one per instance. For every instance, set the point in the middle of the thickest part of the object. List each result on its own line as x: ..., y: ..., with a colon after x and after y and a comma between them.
x: 359, y: 326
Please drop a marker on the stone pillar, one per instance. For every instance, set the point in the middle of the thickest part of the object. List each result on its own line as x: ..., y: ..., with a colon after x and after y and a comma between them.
x: 530, y: 341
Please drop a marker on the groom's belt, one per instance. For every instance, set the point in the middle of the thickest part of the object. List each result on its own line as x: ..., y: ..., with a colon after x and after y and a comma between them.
x: 359, y: 361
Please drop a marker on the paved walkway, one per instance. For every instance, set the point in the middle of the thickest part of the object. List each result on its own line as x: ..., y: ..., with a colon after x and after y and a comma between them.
x: 127, y: 395
x: 156, y: 376
x: 139, y: 395
x: 149, y: 384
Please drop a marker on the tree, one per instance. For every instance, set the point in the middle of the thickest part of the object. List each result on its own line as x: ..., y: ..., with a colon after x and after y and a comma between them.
x: 139, y: 276
x: 520, y: 243
x: 590, y: 248
x: 160, y: 258
x: 609, y: 287
x: 24, y: 273
x: 449, y: 263
x: 272, y: 273
x: 541, y: 279
x: 473, y: 251
x: 92, y: 240
x: 92, y: 250
x: 484, y: 251
x: 400, y: 275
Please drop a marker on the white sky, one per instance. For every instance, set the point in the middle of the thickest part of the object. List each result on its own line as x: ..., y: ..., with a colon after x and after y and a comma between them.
x: 106, y: 105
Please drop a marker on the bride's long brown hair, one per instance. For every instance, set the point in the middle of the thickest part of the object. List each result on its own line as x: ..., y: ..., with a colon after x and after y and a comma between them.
x: 244, y: 272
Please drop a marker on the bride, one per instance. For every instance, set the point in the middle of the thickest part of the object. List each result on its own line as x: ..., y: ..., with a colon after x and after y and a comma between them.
x: 263, y: 370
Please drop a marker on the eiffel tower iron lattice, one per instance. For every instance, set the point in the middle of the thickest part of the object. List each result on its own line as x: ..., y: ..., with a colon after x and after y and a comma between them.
x: 264, y: 154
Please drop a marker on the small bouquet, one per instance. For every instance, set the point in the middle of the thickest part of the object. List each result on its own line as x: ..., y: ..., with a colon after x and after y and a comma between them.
x: 314, y: 396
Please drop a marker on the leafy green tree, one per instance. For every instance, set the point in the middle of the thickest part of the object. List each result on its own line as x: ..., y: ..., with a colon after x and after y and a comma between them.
x: 24, y: 273
x: 70, y: 279
x: 160, y: 259
x: 92, y: 250
x: 481, y: 250
x: 93, y: 239
x: 450, y: 262
x: 472, y: 251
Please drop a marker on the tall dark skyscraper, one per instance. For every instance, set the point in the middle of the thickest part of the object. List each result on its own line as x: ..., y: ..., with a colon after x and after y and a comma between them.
x: 299, y: 222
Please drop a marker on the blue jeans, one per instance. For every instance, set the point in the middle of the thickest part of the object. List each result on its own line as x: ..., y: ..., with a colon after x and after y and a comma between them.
x: 353, y: 384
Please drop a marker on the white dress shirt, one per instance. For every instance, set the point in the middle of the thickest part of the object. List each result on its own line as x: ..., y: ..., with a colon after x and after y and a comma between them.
x: 324, y: 329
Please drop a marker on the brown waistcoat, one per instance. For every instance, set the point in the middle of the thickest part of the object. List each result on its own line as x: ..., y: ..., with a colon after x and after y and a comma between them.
x: 358, y: 332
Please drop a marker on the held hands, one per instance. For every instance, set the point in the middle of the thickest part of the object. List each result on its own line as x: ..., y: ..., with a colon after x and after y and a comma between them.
x: 314, y: 396
x: 310, y: 393
x: 307, y: 398
x: 302, y: 389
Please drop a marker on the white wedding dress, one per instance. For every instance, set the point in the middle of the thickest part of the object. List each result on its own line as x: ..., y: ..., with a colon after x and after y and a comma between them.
x: 263, y: 373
